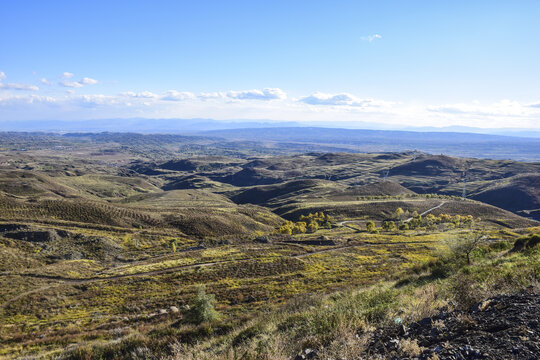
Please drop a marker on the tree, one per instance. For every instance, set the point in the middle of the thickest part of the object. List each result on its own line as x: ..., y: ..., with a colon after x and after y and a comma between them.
x: 286, y: 228
x: 468, y: 220
x: 404, y: 226
x: 313, y: 226
x: 299, y: 228
x: 399, y: 213
x: 464, y: 246
x: 202, y: 308
x: 430, y: 219
x: 370, y: 226
x: 174, y: 244
x: 388, y: 225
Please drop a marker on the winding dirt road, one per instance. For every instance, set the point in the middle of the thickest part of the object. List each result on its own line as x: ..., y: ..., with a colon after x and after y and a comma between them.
x: 427, y: 211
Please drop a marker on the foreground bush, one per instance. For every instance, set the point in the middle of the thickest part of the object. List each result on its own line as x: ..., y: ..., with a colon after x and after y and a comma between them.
x: 202, y: 308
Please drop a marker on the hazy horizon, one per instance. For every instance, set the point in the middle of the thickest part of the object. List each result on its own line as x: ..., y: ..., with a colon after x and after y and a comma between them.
x: 201, y: 125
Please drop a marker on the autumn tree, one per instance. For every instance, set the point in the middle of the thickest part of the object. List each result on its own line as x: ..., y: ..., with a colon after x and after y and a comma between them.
x: 399, y: 213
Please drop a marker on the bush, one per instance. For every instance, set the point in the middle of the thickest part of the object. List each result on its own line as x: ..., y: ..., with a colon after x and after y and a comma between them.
x: 388, y: 225
x: 370, y: 226
x: 526, y: 242
x: 202, y: 309
x: 404, y: 227
x: 466, y: 291
x: 441, y: 269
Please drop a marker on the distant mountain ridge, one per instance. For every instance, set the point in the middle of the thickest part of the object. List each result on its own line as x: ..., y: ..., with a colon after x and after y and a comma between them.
x: 361, y: 140
x: 147, y: 125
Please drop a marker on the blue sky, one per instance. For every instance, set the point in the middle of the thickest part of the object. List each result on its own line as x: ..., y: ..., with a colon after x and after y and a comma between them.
x: 432, y: 63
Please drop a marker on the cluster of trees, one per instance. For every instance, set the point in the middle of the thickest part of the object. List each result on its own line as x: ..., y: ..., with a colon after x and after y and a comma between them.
x: 403, y: 220
x: 309, y: 223
x: 408, y: 196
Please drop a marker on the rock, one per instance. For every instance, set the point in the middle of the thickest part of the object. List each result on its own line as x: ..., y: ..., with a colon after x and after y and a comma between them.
x: 503, y: 327
x: 262, y: 239
x: 434, y: 332
x: 162, y: 311
x: 33, y: 236
x: 393, y: 344
x: 75, y: 255
x: 306, y: 354
x: 174, y: 309
x: 425, y: 322
x: 12, y: 227
x: 402, y: 330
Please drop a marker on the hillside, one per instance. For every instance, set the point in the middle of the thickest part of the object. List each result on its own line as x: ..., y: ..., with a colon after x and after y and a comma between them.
x: 105, y: 239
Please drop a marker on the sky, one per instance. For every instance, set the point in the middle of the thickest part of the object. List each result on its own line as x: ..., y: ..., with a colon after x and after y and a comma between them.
x: 416, y: 63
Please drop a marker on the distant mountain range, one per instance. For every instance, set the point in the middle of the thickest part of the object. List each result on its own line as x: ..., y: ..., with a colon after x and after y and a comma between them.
x: 361, y: 140
x: 144, y: 125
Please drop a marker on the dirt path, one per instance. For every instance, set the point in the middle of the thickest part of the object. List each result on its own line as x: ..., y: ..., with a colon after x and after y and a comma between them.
x: 344, y: 223
x: 427, y: 211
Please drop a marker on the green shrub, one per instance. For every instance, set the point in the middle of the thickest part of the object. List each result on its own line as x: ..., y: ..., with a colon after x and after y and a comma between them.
x: 441, y: 269
x: 500, y: 245
x: 370, y: 226
x: 202, y: 309
x: 404, y: 227
x: 526, y: 242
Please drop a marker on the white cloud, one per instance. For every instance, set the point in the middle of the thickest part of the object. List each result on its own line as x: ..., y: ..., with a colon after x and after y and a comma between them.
x: 26, y: 100
x: 343, y: 107
x: 264, y: 94
x: 212, y: 95
x: 370, y: 38
x: 342, y: 99
x: 67, y: 75
x: 88, y: 81
x: 71, y: 84
x: 173, y: 95
x: 143, y: 94
x: 45, y: 81
x: 77, y: 84
x: 13, y: 86
x: 97, y: 100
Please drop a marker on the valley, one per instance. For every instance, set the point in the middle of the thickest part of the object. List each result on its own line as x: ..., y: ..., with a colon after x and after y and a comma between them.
x: 106, y: 238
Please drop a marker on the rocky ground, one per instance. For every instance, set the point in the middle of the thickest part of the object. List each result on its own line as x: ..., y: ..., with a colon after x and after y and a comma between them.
x: 502, y: 327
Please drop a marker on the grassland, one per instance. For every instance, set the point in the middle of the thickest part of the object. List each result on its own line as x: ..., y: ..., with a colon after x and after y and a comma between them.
x: 104, y: 241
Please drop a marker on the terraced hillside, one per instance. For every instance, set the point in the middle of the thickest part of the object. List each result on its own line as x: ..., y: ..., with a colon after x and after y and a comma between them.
x: 105, y: 239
